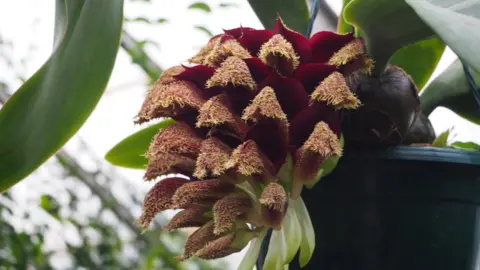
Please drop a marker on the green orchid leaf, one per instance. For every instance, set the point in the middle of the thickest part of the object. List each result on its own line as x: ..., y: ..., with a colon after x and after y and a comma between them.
x: 442, y: 139
x: 457, y: 22
x: 307, y: 244
x: 451, y: 90
x: 294, y: 13
x: 200, y: 6
x: 276, y: 254
x: 343, y: 27
x: 420, y: 59
x: 293, y: 233
x: 250, y: 258
x: 388, y: 26
x: 471, y: 146
x: 53, y: 104
x: 130, y: 152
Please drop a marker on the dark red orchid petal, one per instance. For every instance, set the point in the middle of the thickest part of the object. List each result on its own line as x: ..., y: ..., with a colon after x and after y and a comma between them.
x: 299, y: 42
x: 253, y: 40
x: 290, y: 93
x: 217, y: 113
x: 197, y: 74
x: 240, y: 96
x: 238, y: 32
x: 190, y: 118
x: 170, y: 100
x: 304, y: 123
x: 324, y: 44
x: 214, y: 37
x: 274, y: 204
x: 159, y: 198
x: 274, y: 146
x: 310, y: 75
x: 226, y: 137
x: 257, y: 68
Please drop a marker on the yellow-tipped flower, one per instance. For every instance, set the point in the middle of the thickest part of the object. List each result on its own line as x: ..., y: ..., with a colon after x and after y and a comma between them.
x: 258, y: 114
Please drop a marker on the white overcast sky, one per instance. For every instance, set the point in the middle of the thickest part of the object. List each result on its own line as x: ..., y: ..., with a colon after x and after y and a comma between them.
x: 28, y: 23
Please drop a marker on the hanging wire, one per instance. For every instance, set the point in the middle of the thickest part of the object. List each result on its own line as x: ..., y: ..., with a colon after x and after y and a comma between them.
x: 472, y: 84
x: 313, y: 15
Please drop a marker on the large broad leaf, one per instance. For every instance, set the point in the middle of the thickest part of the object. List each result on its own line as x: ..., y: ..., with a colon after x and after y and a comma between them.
x: 451, y: 90
x: 343, y: 27
x: 293, y: 12
x: 457, y: 22
x: 389, y: 25
x: 130, y: 152
x: 420, y: 59
x: 54, y: 103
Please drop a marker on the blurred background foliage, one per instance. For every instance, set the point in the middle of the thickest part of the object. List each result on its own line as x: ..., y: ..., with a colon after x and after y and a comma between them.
x: 76, y: 221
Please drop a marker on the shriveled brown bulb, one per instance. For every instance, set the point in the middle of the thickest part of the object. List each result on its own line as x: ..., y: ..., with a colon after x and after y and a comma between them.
x: 390, y: 107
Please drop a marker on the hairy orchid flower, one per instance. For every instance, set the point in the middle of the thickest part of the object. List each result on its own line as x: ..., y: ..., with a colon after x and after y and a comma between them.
x: 258, y: 114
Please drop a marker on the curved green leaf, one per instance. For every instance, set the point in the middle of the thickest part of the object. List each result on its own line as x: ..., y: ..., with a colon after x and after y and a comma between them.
x: 343, y: 27
x: 420, y: 59
x: 293, y: 12
x: 451, y: 90
x: 130, y: 152
x: 457, y: 22
x: 470, y: 146
x: 54, y: 103
x: 200, y: 6
x: 388, y: 25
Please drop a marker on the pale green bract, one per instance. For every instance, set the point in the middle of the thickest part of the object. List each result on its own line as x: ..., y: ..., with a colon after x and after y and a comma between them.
x: 250, y: 258
x: 292, y: 231
x: 308, y: 234
x: 297, y: 232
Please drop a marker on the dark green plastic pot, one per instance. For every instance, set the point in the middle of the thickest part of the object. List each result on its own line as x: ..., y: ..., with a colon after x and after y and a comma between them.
x: 406, y: 208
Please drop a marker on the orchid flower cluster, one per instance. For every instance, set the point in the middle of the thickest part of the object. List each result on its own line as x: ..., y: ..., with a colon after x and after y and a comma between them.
x: 257, y: 115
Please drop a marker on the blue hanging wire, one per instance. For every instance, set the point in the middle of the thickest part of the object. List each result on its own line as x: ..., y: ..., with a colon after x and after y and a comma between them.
x: 472, y: 84
x: 313, y: 15
x: 266, y: 240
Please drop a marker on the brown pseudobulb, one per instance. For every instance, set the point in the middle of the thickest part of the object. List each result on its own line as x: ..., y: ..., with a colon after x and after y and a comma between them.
x: 390, y: 107
x: 421, y: 132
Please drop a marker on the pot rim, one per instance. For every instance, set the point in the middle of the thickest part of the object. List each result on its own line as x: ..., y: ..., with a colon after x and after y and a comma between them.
x: 423, y: 153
